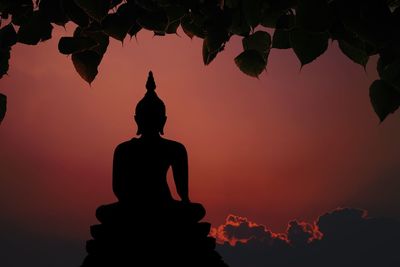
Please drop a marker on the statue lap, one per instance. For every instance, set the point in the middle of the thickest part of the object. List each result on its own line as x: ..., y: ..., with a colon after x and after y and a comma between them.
x: 126, y: 211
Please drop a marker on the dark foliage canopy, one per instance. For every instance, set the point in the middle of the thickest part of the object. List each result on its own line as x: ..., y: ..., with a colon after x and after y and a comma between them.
x: 362, y: 28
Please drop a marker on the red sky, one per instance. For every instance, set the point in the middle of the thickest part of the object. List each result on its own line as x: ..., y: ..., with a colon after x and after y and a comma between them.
x: 293, y: 144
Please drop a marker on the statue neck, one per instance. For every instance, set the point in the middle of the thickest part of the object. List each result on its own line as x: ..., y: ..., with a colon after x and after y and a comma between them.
x: 150, y: 136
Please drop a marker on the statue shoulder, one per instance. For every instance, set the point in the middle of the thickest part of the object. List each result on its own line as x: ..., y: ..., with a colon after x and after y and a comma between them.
x: 125, y: 145
x: 175, y: 146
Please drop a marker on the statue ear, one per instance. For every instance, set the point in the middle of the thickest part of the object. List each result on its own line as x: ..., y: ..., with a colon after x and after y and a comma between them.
x: 139, y: 130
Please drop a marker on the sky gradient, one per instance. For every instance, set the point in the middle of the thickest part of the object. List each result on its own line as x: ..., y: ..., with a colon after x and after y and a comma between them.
x: 292, y: 144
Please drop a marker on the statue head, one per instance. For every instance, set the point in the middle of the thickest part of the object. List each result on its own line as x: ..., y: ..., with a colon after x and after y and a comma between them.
x: 150, y: 114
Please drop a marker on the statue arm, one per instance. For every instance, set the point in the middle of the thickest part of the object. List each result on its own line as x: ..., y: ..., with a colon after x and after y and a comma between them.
x: 117, y: 174
x: 180, y: 173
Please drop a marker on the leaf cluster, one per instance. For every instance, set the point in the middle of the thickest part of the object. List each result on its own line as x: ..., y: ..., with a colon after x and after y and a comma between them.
x: 362, y: 28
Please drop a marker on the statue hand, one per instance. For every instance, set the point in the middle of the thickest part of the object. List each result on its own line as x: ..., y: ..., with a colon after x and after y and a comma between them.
x: 186, y: 200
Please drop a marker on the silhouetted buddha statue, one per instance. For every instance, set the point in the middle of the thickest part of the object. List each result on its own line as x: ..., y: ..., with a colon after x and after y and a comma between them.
x: 147, y: 226
x: 141, y: 164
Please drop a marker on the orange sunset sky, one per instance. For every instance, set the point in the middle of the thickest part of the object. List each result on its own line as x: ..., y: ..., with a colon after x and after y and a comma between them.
x: 292, y: 144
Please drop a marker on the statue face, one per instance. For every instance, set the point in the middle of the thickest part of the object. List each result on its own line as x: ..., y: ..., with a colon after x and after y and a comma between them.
x: 150, y: 123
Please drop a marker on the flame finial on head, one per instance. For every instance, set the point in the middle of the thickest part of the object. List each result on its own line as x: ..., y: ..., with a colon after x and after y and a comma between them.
x: 150, y: 84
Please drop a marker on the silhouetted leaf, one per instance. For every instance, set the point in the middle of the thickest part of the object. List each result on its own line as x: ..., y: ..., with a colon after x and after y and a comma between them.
x: 370, y: 49
x: 344, y: 9
x: 174, y: 15
x: 356, y: 54
x: 115, y: 3
x: 251, y: 62
x: 259, y: 41
x: 153, y: 21
x: 252, y: 12
x: 337, y: 31
x: 100, y: 37
x: 37, y: 28
x: 54, y: 11
x: 21, y: 12
x: 370, y: 20
x: 129, y: 13
x: 150, y: 6
x: 116, y: 26
x: 172, y: 28
x: 102, y: 40
x: 70, y: 45
x: 308, y: 46
x: 213, y: 43
x: 3, y: 107
x: 396, y: 16
x: 380, y: 66
x: 86, y: 64
x: 208, y: 56
x: 377, y: 23
x: 286, y: 22
x: 384, y: 98
x: 75, y: 13
x: 351, y: 44
x: 391, y: 74
x: 281, y: 39
x: 239, y: 24
x: 192, y: 28
x: 284, y: 4
x: 8, y: 36
x: 232, y: 3
x: 313, y: 15
x: 4, y: 58
x: 270, y: 16
x: 389, y: 53
x: 97, y: 9
x: 216, y: 39
x: 134, y: 29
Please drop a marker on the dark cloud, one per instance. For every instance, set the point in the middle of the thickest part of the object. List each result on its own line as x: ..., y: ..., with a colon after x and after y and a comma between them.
x: 240, y: 229
x: 302, y: 233
x: 344, y: 237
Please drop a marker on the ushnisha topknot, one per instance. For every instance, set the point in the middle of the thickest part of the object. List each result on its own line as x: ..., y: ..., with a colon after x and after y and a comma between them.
x: 150, y: 103
x: 150, y: 84
x: 150, y: 109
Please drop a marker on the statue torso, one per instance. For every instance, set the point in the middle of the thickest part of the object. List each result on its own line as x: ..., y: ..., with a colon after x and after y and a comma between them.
x: 143, y: 166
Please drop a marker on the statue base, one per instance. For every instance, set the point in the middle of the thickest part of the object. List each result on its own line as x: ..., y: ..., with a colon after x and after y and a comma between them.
x: 168, y: 234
